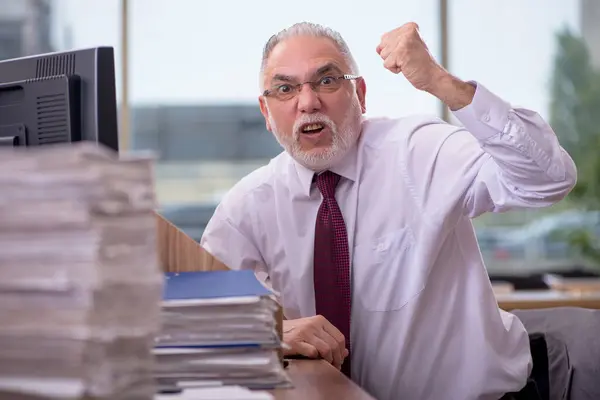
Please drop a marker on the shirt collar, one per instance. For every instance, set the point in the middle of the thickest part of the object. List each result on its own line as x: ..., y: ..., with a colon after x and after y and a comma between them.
x: 346, y: 168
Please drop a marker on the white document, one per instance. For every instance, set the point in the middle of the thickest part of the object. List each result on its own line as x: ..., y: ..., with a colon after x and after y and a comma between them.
x: 217, y: 393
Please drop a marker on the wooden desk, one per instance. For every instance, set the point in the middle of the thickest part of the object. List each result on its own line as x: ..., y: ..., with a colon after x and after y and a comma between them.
x: 319, y: 380
x: 526, y: 299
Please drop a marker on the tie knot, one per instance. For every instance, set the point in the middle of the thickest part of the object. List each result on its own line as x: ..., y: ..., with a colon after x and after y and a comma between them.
x: 327, y: 182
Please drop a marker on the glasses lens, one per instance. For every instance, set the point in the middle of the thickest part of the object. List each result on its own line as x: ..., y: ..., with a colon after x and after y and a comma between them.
x: 328, y: 84
x: 283, y: 92
x: 285, y: 96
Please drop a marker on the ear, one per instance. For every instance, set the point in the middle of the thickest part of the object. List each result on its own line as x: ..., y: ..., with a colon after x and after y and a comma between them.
x: 264, y: 111
x: 361, y: 92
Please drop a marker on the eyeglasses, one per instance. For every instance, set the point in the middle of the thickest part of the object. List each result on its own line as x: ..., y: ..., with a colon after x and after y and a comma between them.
x: 326, y: 84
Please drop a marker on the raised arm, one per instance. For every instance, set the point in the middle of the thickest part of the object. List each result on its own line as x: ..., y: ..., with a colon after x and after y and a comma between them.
x: 504, y: 157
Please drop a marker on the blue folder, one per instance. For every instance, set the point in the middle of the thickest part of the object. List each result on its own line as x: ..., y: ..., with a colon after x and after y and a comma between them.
x: 212, y: 284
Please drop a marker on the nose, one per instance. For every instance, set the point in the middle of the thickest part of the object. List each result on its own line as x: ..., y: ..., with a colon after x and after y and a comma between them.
x: 308, y: 100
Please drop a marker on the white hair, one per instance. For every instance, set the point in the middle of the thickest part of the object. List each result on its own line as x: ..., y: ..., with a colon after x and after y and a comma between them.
x: 308, y: 29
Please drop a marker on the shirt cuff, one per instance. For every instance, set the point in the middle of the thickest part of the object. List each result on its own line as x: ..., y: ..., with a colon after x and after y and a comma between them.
x: 486, y: 116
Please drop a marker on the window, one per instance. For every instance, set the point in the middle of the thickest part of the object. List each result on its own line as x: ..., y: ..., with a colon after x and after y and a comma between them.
x: 544, y: 55
x: 193, y: 90
x: 194, y: 86
x: 11, y: 42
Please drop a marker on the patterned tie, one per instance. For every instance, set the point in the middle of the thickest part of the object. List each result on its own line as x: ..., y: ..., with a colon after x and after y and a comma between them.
x: 332, y: 262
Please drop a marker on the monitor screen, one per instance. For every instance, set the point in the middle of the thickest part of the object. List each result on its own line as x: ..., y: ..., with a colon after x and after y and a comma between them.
x: 59, y: 97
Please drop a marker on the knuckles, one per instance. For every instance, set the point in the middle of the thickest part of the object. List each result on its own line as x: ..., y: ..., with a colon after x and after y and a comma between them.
x: 318, y: 318
x: 400, y: 40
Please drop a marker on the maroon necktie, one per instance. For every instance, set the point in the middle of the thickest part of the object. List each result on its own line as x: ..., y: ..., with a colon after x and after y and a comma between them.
x: 332, y: 262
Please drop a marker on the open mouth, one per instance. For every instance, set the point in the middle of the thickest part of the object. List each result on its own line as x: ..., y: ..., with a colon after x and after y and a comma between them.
x: 311, y: 129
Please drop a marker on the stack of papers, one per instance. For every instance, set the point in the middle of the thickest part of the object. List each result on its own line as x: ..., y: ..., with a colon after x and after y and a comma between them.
x: 80, y: 283
x: 218, y: 328
x: 217, y: 393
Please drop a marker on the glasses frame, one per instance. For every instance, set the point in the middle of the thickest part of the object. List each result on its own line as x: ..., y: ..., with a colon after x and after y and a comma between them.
x: 298, y: 86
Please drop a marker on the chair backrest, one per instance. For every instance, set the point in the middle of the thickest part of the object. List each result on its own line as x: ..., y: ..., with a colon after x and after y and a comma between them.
x: 573, y: 333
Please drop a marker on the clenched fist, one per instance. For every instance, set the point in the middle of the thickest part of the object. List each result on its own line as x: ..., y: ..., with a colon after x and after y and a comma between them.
x: 403, y: 50
x: 315, y: 337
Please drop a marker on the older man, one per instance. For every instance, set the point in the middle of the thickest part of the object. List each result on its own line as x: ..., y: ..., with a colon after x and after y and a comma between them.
x: 364, y: 225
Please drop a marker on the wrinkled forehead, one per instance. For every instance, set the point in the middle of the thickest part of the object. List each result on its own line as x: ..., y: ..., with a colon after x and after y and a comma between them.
x: 303, y: 57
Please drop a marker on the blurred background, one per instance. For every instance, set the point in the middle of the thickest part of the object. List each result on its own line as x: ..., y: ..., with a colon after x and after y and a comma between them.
x: 187, y: 76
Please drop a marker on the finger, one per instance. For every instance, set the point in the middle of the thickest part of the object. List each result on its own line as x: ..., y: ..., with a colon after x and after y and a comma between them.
x: 337, y: 336
x: 379, y: 48
x: 339, y: 339
x: 329, y: 333
x: 413, y: 25
x: 323, y: 348
x: 385, y: 52
x: 383, y: 41
x: 336, y: 350
x: 306, y: 349
x: 390, y: 63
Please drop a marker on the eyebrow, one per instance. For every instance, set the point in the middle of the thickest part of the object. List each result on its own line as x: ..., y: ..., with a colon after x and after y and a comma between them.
x: 329, y: 67
x: 282, y: 78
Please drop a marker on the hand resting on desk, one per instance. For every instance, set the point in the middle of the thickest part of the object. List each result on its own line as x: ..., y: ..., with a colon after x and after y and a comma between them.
x: 315, y: 337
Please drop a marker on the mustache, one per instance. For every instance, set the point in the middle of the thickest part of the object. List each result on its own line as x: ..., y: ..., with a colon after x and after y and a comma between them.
x: 313, y: 119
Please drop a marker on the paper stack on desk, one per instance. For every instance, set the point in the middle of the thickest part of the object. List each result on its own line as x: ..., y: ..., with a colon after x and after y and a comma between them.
x: 217, y: 393
x: 218, y: 327
x: 80, y: 284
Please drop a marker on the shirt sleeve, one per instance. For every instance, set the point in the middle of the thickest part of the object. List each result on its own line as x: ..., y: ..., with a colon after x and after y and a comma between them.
x: 500, y: 159
x: 233, y: 243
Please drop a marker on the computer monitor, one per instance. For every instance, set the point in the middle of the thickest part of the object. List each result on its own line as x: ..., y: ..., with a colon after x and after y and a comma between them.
x: 59, y: 98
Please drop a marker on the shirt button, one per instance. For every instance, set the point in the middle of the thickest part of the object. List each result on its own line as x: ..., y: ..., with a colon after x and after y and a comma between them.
x: 486, y: 117
x: 381, y: 247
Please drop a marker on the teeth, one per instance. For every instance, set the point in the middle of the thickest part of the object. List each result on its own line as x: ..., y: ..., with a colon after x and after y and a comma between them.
x: 312, y: 127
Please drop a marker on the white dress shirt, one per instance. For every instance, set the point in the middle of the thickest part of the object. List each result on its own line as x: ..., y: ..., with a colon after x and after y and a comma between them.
x: 425, y: 322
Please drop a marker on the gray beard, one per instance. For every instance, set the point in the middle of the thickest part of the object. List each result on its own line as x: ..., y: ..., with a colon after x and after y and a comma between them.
x: 343, y: 138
